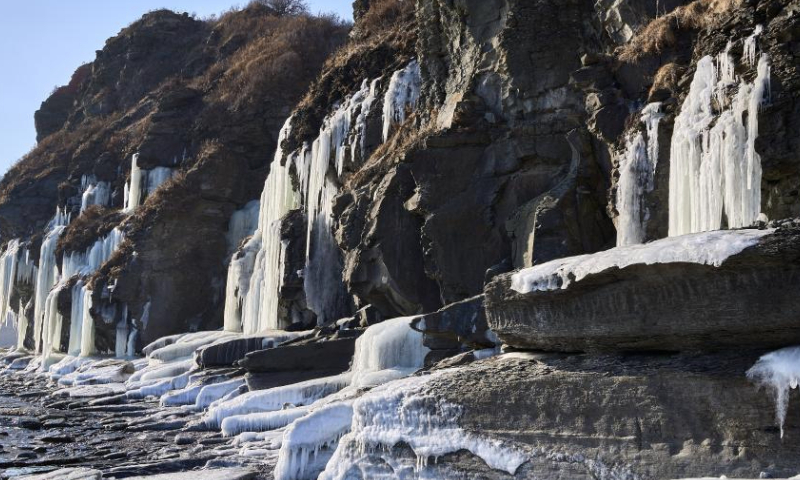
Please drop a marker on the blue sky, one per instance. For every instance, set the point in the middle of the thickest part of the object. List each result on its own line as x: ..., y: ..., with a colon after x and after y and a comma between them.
x: 43, y: 41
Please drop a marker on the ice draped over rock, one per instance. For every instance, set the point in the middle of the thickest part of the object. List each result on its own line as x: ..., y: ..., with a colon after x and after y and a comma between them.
x: 778, y: 371
x: 715, y: 171
x: 637, y: 168
x: 255, y: 273
x: 94, y: 192
x: 143, y: 183
x: 15, y: 266
x: 47, y: 275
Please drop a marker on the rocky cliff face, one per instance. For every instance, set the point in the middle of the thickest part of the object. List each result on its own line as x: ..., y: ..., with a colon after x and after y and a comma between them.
x: 467, y: 163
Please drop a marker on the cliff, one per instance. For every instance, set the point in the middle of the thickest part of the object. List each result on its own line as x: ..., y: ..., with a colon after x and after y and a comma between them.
x: 577, y: 218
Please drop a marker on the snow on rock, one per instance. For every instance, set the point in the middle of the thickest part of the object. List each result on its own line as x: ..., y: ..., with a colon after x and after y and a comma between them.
x: 261, y: 422
x: 778, y: 371
x: 211, y: 393
x: 274, y: 399
x: 67, y: 474
x: 405, y: 411
x: 707, y: 248
x: 185, y: 345
x: 307, y: 443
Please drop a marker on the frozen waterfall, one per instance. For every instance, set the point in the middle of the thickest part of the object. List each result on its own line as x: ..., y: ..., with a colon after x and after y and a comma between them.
x: 255, y: 274
x: 637, y: 168
x: 47, y: 275
x: 94, y: 192
x: 403, y: 92
x: 715, y: 171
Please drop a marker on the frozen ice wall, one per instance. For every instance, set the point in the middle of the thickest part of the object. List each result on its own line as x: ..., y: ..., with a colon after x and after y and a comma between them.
x: 637, y: 167
x: 243, y: 223
x: 255, y: 273
x: 715, y: 171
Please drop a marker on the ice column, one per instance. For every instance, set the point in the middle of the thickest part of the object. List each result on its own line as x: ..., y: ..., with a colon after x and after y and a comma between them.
x: 637, y: 173
x: 715, y: 171
x: 47, y: 276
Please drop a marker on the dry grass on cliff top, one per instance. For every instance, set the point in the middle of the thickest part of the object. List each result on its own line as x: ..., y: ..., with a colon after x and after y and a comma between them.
x: 277, y: 56
x: 663, y: 32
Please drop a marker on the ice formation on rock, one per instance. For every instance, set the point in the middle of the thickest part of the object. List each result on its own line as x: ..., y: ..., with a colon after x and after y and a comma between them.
x: 404, y: 411
x: 637, y: 173
x: 47, y: 274
x: 706, y: 248
x: 255, y: 274
x: 778, y: 371
x: 403, y: 93
x: 94, y: 192
x: 15, y: 267
x: 143, y: 183
x: 715, y: 171
x: 243, y: 223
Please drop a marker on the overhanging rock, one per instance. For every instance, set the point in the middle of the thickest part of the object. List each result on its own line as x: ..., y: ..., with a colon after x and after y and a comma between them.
x: 709, y: 291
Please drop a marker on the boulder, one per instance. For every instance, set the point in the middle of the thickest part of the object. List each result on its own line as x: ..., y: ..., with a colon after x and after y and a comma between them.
x: 228, y: 352
x: 460, y: 323
x: 750, y: 300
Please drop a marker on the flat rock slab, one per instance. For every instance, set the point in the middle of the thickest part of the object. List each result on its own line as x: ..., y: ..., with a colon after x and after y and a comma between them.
x: 749, y: 301
x: 330, y: 355
x: 67, y: 474
x: 227, y: 353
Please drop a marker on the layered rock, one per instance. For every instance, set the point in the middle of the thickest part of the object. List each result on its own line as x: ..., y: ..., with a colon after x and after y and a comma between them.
x: 682, y: 304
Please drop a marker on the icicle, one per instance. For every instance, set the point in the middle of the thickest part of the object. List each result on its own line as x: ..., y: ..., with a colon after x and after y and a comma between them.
x: 637, y: 173
x: 780, y: 372
x: 714, y: 169
x: 403, y: 92
x: 749, y: 51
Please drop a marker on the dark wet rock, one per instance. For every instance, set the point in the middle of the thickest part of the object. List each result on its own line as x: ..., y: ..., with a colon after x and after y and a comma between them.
x: 262, y: 381
x: 332, y: 355
x: 456, y: 325
x: 26, y: 456
x: 56, y: 439
x: 664, y: 306
x: 228, y: 352
x: 184, y: 439
x: 29, y: 423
